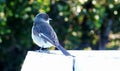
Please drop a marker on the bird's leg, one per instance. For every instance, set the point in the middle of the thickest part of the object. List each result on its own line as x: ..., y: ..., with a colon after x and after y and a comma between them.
x: 43, y: 50
x: 40, y: 50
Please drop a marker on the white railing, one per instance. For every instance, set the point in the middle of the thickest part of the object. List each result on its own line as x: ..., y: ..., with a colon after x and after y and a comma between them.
x: 84, y: 61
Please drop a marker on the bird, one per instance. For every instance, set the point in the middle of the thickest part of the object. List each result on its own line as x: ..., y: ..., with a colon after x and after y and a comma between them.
x: 43, y: 35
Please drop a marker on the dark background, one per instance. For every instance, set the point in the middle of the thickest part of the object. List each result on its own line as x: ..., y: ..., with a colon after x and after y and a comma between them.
x: 79, y: 24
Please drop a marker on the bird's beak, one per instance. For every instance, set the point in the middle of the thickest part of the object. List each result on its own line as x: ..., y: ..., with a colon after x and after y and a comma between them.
x: 50, y: 19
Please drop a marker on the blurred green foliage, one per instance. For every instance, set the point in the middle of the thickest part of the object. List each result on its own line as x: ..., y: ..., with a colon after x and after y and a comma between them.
x: 79, y: 24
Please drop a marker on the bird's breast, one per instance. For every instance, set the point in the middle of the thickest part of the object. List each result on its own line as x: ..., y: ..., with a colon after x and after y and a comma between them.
x: 38, y: 40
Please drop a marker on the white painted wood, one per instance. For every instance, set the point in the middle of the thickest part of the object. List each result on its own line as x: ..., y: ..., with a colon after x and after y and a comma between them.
x: 36, y: 61
x: 84, y: 61
x: 97, y: 60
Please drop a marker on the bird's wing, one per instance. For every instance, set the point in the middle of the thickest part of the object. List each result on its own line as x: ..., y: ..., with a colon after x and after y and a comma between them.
x: 46, y: 31
x: 46, y: 38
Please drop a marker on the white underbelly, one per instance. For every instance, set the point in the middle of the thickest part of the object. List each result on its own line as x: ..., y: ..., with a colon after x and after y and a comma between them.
x: 41, y: 42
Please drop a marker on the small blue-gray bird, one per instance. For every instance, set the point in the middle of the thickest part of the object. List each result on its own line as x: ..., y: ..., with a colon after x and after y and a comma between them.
x: 43, y: 34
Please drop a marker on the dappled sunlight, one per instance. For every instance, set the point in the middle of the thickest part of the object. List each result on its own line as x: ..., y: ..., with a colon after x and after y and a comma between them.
x: 79, y: 25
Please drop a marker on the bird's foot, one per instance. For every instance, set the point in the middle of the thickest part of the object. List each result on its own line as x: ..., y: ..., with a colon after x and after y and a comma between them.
x: 43, y: 50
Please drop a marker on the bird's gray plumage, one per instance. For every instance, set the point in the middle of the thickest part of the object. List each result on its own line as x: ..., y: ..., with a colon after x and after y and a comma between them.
x: 49, y: 32
x: 42, y: 30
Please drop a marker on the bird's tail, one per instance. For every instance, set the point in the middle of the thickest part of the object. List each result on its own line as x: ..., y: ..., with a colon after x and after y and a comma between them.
x: 63, y: 50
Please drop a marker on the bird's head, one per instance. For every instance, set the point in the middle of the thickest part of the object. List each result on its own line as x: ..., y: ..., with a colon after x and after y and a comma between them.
x: 43, y: 17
